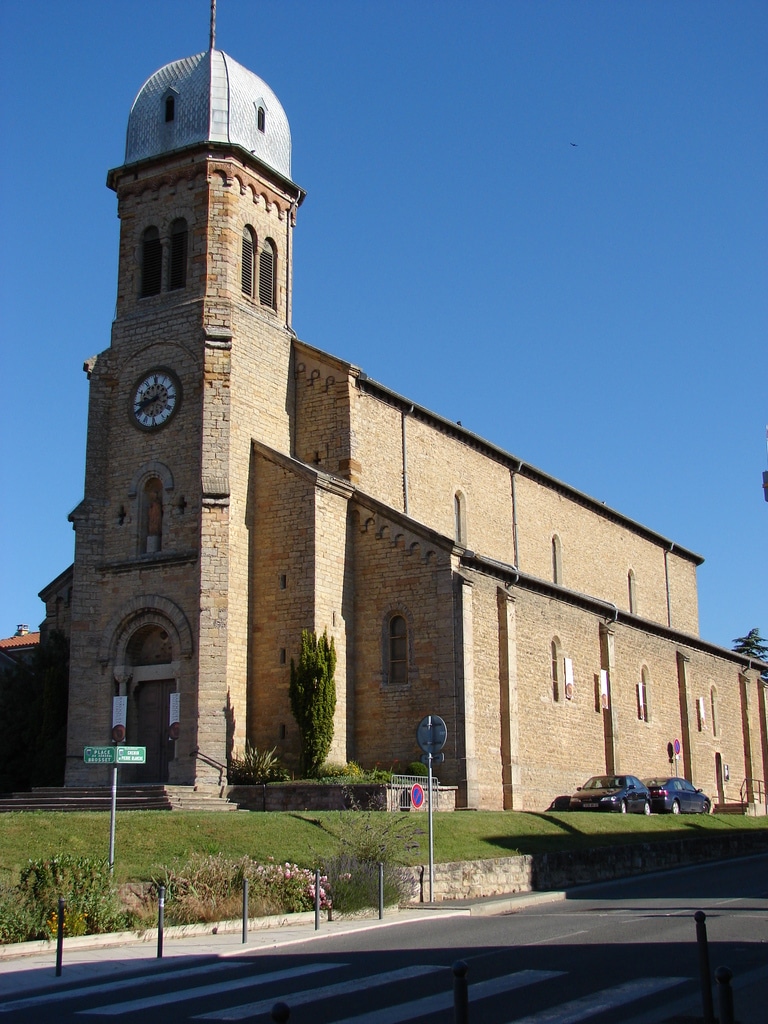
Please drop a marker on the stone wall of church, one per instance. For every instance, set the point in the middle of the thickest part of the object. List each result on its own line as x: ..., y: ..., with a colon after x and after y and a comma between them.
x: 282, y: 599
x: 256, y: 399
x: 563, y: 741
x: 334, y: 604
x: 598, y: 551
x: 440, y: 466
x: 396, y: 572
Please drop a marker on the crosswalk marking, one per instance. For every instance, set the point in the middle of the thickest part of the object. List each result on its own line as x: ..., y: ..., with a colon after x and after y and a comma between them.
x: 251, y: 981
x: 597, y: 1002
x: 58, y: 996
x: 418, y: 1008
x: 342, y: 988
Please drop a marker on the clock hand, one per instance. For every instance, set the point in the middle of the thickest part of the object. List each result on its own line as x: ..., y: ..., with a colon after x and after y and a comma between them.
x: 148, y: 401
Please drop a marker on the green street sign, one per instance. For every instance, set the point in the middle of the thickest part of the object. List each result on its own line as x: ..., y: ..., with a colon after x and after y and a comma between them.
x: 99, y: 755
x: 111, y: 755
x: 131, y: 755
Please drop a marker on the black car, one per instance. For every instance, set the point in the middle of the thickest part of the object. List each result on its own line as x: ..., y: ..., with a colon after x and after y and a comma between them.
x: 620, y: 793
x: 677, y: 796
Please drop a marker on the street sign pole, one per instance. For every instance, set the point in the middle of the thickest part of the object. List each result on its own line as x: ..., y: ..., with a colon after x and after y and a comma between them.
x: 115, y: 755
x: 431, y: 836
x: 112, y: 816
x: 431, y: 735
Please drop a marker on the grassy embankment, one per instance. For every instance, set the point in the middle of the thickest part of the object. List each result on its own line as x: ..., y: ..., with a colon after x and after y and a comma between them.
x: 145, y: 840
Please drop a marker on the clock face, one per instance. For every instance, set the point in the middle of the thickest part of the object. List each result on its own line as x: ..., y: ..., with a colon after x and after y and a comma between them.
x: 155, y: 399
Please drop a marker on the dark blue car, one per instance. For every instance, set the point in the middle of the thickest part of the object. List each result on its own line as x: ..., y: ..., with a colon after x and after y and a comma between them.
x: 677, y: 796
x: 621, y: 793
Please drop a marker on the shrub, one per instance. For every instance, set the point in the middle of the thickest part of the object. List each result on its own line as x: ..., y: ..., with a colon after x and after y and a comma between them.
x: 92, y: 904
x: 312, y: 693
x: 210, y: 888
x: 16, y: 922
x: 256, y: 767
x: 354, y: 884
x: 373, y: 836
x: 417, y: 768
x: 349, y: 772
x: 365, y: 839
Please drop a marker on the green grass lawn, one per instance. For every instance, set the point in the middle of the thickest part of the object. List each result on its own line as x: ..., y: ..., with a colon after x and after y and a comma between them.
x: 145, y: 840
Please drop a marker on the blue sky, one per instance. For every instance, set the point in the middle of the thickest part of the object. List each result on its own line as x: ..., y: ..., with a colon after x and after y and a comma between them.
x: 598, y: 309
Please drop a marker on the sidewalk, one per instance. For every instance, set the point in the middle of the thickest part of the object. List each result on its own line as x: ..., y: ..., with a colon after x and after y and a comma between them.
x: 31, y: 966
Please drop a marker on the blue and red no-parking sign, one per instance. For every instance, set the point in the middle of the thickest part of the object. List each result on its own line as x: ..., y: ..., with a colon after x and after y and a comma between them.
x: 417, y: 795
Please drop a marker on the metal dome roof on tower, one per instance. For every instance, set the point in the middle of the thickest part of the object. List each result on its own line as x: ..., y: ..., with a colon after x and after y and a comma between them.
x: 208, y: 98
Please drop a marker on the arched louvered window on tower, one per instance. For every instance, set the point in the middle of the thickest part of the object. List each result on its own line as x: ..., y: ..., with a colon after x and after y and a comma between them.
x: 246, y: 268
x: 170, y: 109
x: 267, y: 261
x: 151, y: 263
x: 261, y: 119
x: 178, y: 268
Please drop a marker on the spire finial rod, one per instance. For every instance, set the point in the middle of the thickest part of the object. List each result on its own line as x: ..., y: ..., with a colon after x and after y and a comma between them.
x: 213, y: 25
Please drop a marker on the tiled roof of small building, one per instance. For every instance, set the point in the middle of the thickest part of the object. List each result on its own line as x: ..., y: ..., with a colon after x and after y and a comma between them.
x: 25, y: 640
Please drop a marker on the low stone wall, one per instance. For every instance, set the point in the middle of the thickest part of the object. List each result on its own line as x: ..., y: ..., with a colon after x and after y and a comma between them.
x: 547, y: 871
x: 304, y: 796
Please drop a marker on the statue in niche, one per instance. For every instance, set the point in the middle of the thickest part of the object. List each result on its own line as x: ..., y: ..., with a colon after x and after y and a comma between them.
x: 154, y: 519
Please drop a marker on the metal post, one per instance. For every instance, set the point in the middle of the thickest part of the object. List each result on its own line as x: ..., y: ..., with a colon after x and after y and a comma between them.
x: 317, y: 900
x: 707, y: 1005
x: 460, y: 993
x: 280, y: 1013
x: 160, y: 920
x: 431, y: 841
x: 381, y: 890
x: 723, y: 976
x: 60, y: 935
x: 113, y: 814
x: 245, y: 910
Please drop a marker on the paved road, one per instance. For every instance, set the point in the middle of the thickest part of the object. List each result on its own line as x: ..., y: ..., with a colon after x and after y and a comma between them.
x: 621, y: 952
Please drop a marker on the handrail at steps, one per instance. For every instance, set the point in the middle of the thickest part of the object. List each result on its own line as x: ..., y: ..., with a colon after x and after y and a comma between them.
x: 222, y: 768
x: 755, y: 788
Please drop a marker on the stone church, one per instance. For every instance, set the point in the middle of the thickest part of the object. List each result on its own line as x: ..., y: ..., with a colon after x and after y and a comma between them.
x: 242, y: 486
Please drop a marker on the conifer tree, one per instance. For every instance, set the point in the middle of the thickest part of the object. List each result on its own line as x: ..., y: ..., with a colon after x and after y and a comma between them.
x: 313, y: 699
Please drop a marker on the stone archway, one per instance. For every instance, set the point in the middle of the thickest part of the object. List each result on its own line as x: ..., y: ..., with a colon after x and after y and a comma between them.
x: 145, y: 647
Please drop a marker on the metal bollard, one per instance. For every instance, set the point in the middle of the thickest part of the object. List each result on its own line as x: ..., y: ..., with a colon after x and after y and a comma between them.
x: 245, y: 910
x: 60, y: 935
x: 381, y: 890
x: 160, y: 920
x: 280, y: 1013
x: 317, y: 899
x: 723, y: 976
x: 460, y: 993
x: 707, y: 1006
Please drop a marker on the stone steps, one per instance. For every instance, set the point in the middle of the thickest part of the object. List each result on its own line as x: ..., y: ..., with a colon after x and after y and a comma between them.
x: 129, y: 798
x: 730, y: 808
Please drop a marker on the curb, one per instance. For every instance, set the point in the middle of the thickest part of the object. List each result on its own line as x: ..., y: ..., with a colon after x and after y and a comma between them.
x: 184, y: 931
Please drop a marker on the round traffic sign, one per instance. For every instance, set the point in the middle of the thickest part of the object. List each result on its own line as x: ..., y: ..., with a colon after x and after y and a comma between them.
x: 431, y: 734
x: 676, y: 746
x: 417, y: 795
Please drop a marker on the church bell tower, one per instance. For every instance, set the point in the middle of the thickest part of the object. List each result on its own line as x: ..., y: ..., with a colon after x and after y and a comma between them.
x: 198, y: 366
